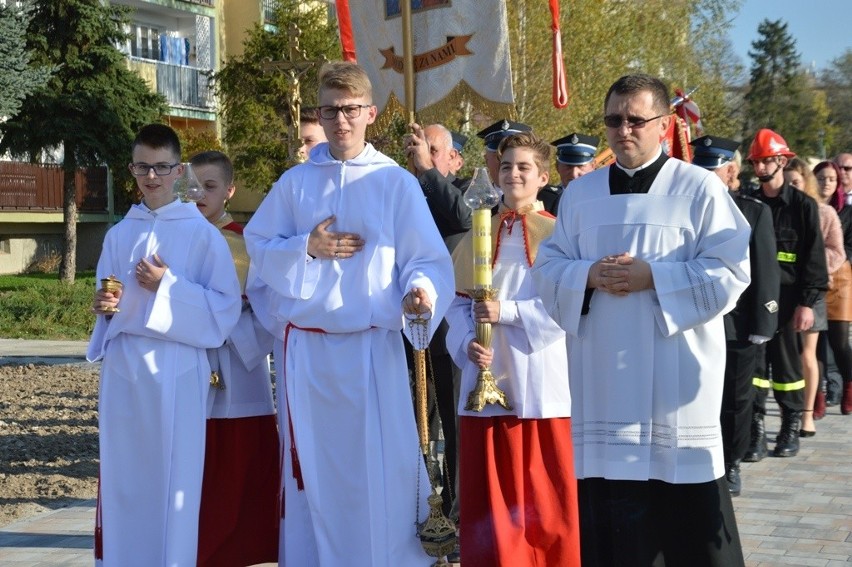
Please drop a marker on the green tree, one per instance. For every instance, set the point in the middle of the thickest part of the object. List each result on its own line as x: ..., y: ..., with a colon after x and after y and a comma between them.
x: 837, y: 83
x: 602, y: 41
x: 17, y: 78
x: 718, y: 66
x: 254, y: 103
x: 92, y: 105
x: 781, y: 94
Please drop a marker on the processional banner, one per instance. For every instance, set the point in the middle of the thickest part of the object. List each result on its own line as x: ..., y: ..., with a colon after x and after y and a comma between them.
x: 461, y: 51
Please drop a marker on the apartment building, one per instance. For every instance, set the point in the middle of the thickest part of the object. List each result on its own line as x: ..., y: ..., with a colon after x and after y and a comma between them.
x: 174, y: 45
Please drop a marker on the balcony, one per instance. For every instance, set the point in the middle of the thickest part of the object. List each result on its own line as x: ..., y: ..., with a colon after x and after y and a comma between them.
x: 183, y: 86
x: 208, y: 3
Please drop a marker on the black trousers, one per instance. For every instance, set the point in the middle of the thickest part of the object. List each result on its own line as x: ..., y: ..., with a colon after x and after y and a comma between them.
x: 656, y: 524
x: 783, y: 364
x: 737, y: 398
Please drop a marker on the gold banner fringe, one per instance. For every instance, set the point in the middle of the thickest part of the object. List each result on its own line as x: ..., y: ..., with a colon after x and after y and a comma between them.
x: 438, y: 112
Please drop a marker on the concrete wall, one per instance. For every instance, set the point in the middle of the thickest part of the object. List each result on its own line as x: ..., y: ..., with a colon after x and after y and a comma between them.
x: 28, y: 244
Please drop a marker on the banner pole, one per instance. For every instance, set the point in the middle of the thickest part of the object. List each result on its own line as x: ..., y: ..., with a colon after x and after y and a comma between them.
x: 408, y: 59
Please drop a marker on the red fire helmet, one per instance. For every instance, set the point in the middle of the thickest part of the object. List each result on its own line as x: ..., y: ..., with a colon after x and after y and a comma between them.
x: 767, y: 144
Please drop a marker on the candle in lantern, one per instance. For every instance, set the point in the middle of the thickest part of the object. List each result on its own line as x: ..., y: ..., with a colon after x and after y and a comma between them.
x: 482, y: 248
x: 481, y: 196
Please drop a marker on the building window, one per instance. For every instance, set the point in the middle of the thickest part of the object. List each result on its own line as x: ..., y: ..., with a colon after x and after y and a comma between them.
x: 269, y: 8
x: 144, y: 42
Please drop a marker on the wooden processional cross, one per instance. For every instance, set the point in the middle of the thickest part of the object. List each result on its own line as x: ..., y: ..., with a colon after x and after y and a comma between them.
x: 295, y: 66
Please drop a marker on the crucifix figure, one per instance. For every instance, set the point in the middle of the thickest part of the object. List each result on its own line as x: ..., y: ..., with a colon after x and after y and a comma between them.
x: 295, y: 66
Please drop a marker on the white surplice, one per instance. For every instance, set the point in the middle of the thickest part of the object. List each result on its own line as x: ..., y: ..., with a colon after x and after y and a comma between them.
x: 530, y: 362
x: 647, y: 369
x: 154, y: 381
x: 243, y: 361
x: 344, y: 371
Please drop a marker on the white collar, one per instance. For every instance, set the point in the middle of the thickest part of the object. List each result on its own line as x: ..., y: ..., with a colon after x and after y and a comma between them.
x: 631, y: 172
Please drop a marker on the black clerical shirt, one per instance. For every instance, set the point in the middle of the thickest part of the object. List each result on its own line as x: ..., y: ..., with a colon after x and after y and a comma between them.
x: 620, y: 183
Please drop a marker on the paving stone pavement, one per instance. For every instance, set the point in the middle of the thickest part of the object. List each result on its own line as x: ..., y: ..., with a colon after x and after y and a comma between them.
x: 793, y: 511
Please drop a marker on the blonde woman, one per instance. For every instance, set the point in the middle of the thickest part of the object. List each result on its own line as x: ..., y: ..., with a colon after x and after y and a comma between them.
x: 798, y: 174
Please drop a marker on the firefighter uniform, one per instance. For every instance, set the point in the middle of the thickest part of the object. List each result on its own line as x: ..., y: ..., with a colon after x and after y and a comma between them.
x: 804, y: 279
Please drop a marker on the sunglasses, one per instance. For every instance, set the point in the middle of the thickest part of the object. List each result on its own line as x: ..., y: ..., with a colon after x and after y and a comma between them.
x: 633, y: 122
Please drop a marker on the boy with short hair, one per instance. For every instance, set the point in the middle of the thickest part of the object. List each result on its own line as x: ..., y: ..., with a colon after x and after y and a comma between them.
x: 518, y: 491
x: 239, y: 501
x: 310, y: 130
x: 180, y: 297
x: 342, y: 246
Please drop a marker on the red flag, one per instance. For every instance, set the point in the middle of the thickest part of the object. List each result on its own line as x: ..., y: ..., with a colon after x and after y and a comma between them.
x: 344, y: 20
x: 676, y: 140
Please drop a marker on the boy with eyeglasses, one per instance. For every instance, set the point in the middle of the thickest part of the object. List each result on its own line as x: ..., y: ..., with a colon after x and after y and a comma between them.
x: 342, y: 246
x: 180, y: 296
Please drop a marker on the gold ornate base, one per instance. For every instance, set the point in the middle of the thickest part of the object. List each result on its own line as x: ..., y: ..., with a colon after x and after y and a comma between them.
x: 485, y: 392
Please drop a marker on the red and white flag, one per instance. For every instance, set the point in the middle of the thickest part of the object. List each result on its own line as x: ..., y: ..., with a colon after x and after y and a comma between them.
x: 461, y: 50
x: 686, y: 108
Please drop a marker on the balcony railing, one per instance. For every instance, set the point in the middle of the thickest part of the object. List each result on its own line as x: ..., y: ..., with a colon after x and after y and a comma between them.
x: 38, y: 187
x: 269, y: 8
x: 183, y: 86
x: 210, y: 3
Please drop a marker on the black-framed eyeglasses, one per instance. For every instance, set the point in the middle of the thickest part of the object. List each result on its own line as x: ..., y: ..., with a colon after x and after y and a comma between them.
x: 633, y: 122
x: 142, y: 169
x: 349, y: 111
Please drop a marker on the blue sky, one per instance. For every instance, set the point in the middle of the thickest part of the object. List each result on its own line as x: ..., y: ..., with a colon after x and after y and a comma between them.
x: 822, y: 28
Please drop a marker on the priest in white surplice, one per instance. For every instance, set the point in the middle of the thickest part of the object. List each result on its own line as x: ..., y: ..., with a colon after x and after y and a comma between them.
x: 646, y: 257
x: 341, y: 246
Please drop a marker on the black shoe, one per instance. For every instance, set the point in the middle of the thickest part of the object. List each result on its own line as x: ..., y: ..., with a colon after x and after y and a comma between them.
x: 757, y: 449
x: 732, y: 475
x: 787, y: 442
x: 806, y: 433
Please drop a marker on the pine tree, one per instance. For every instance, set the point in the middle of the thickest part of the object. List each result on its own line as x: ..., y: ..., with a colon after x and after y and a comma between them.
x: 17, y: 78
x: 92, y: 105
x: 781, y: 93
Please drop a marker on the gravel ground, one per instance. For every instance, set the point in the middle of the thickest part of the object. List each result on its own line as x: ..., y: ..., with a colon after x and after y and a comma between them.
x: 48, y: 437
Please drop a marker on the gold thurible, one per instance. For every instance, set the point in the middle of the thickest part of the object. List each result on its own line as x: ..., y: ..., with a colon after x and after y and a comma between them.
x: 437, y: 533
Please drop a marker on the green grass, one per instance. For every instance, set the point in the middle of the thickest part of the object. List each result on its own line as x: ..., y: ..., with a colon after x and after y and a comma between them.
x: 39, y: 306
